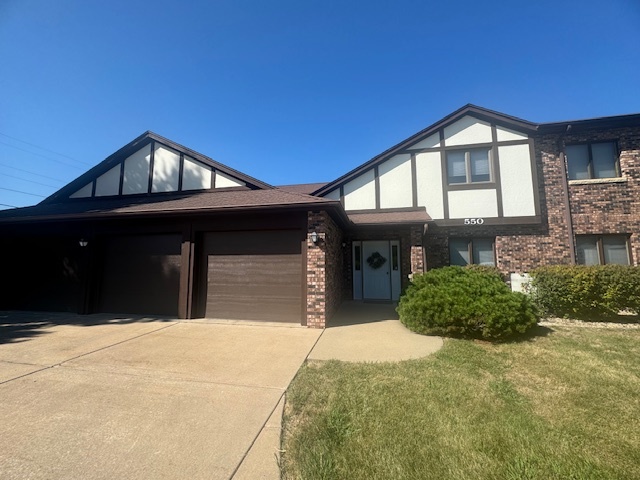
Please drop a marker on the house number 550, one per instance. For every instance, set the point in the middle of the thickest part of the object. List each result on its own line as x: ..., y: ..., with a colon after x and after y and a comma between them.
x: 473, y: 221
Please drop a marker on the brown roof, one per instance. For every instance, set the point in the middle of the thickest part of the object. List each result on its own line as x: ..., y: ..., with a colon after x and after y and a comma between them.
x: 307, y: 188
x: 390, y: 218
x: 227, y: 200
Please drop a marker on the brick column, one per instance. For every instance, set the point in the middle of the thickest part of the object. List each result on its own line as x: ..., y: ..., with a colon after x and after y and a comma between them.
x: 417, y: 257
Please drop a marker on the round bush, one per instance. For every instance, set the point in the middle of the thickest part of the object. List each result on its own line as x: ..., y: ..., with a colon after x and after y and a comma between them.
x: 469, y: 302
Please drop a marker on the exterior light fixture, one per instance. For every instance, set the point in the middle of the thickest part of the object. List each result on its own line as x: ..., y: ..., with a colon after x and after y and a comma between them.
x: 83, y: 243
x: 314, y: 237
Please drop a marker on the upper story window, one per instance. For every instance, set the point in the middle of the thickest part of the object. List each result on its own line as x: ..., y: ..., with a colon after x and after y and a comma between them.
x: 479, y: 251
x: 602, y: 249
x: 593, y: 160
x: 468, y: 166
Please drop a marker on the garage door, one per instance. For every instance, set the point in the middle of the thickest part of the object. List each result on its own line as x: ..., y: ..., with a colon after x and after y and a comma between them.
x: 254, y: 275
x: 141, y: 274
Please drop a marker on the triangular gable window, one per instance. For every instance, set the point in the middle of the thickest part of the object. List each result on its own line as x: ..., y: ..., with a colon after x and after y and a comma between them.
x: 156, y: 168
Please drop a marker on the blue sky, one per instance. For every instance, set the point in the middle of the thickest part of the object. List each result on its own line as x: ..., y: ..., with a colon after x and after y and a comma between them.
x: 291, y: 91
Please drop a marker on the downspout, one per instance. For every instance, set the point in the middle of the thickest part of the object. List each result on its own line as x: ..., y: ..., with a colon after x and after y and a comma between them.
x: 567, y: 204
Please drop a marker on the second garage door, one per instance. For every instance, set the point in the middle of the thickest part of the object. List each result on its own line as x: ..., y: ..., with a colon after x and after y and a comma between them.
x: 254, y: 275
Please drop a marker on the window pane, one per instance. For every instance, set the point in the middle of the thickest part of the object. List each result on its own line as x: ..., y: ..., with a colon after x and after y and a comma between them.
x: 458, y: 252
x: 483, y: 252
x: 456, y: 167
x: 480, y: 166
x: 578, y: 161
x: 394, y: 256
x: 356, y: 257
x: 587, y: 249
x: 604, y: 160
x: 615, y: 250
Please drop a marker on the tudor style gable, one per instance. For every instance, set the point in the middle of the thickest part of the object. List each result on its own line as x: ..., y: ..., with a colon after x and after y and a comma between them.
x: 151, y: 164
x: 474, y: 164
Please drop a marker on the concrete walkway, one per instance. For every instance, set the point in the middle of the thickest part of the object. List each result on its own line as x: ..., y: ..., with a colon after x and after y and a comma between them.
x: 102, y: 397
x: 370, y: 332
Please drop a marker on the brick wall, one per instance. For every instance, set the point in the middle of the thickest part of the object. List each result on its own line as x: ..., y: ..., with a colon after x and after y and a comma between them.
x: 324, y: 269
x: 596, y: 207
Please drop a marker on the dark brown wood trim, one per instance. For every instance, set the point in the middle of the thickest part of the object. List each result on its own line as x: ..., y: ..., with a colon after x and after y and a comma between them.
x: 151, y: 161
x: 506, y: 143
x: 488, y: 221
x: 213, y: 178
x: 387, y: 210
x: 180, y: 171
x: 534, y: 177
x: 185, y: 273
x: 495, y: 168
x: 342, y: 195
x: 377, y: 185
x: 472, y: 186
x: 121, y: 177
x: 445, y: 177
x: 414, y: 180
x: 93, y: 187
x: 567, y: 209
x: 303, y: 283
x: 600, y: 247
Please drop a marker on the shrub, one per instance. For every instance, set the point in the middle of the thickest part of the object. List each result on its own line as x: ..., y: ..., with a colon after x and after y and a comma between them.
x: 586, y: 292
x: 472, y: 302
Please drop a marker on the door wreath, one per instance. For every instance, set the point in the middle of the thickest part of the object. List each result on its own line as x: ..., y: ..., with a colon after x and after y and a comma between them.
x: 376, y: 260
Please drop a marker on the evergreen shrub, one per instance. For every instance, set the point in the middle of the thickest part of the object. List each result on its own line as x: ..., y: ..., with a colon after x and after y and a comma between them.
x: 597, y: 292
x: 469, y: 302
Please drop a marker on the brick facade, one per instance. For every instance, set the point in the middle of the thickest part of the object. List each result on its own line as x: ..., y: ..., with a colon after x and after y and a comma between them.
x: 324, y: 261
x: 602, y: 206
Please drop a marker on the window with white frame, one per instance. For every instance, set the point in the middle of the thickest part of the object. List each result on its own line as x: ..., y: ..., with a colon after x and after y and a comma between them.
x: 602, y: 249
x: 469, y: 166
x: 592, y: 160
x: 465, y: 251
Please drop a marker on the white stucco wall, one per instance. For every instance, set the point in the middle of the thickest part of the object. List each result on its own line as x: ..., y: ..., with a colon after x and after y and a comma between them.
x: 429, y: 183
x: 195, y: 176
x: 136, y: 172
x: 166, y: 170
x: 505, y: 135
x: 83, y: 192
x: 109, y: 182
x: 516, y: 179
x: 333, y: 195
x: 467, y: 130
x: 224, y: 181
x: 360, y: 193
x: 395, y: 182
x: 430, y: 142
x: 473, y: 203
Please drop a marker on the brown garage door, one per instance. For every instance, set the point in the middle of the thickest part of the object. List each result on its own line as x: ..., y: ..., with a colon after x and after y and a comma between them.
x: 254, y: 275
x: 141, y: 274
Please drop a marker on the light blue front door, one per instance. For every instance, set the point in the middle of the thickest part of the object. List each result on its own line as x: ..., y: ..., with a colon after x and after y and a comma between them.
x: 376, y: 268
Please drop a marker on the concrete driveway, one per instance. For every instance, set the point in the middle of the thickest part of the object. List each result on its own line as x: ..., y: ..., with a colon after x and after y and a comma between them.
x: 100, y: 397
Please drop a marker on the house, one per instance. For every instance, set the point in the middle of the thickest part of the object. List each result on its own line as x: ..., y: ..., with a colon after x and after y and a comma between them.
x: 157, y: 228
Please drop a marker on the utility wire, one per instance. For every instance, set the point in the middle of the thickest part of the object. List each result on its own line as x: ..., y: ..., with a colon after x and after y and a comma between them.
x: 26, y: 180
x: 7, y: 205
x: 43, y: 148
x: 31, y: 173
x: 43, y: 156
x: 20, y: 191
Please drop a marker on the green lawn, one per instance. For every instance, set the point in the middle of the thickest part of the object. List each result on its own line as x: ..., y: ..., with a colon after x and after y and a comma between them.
x: 561, y: 406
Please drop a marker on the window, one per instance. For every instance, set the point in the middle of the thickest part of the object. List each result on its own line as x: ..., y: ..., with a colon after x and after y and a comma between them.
x: 602, y: 249
x: 468, y: 166
x: 592, y: 160
x: 463, y: 251
x: 357, y: 257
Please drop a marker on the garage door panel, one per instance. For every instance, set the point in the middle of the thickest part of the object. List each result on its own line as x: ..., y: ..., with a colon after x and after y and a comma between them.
x: 254, y: 276
x: 141, y: 274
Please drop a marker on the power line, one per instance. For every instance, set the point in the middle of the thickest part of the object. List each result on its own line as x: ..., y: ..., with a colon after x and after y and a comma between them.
x: 20, y: 191
x: 43, y: 148
x: 43, y: 156
x: 27, y: 180
x: 31, y: 173
x: 7, y: 205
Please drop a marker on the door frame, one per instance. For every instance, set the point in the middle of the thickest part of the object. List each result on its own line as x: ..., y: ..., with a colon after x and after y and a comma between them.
x: 358, y: 271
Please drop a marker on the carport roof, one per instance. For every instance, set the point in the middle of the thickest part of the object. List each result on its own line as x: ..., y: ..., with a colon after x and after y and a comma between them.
x: 210, y: 201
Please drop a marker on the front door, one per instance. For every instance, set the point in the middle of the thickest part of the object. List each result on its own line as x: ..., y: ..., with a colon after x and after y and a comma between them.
x: 376, y: 265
